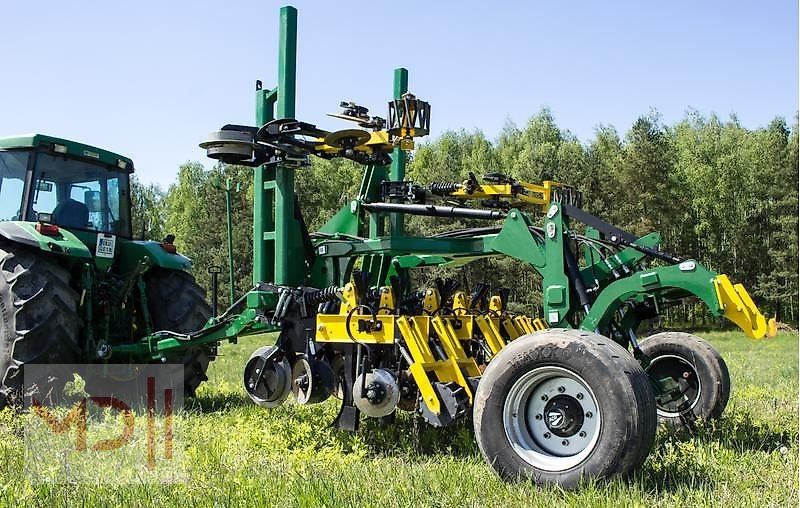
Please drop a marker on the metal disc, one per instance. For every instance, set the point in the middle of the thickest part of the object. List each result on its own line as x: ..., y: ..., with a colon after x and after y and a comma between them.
x: 272, y: 384
x: 380, y: 395
x: 347, y: 138
x: 312, y: 381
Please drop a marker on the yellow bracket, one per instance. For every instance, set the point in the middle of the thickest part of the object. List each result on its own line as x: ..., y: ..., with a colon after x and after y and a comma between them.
x: 461, y: 363
x: 432, y: 301
x: 511, y: 329
x: 333, y: 328
x: 460, y: 304
x: 524, y: 323
x: 349, y: 298
x: 738, y: 307
x: 416, y: 341
x: 532, y: 194
x: 496, y: 305
x: 491, y: 332
x: 387, y: 303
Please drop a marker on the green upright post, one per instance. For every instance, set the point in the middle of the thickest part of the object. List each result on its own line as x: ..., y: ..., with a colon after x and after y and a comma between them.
x: 398, y: 168
x: 228, y: 191
x: 289, y: 268
x: 263, y: 198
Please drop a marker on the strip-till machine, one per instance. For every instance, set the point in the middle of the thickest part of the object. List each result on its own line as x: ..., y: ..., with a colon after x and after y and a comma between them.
x: 566, y: 395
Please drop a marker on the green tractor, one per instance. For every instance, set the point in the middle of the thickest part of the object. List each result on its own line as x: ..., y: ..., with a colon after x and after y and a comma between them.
x: 73, y: 282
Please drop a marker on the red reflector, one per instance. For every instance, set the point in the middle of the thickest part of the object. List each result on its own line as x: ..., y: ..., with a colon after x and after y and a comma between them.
x: 169, y: 248
x: 47, y: 229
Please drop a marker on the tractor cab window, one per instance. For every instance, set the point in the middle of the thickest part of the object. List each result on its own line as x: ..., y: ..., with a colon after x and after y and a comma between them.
x: 13, y: 164
x: 81, y: 194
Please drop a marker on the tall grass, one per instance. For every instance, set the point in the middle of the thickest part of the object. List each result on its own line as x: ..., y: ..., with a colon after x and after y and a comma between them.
x: 234, y: 453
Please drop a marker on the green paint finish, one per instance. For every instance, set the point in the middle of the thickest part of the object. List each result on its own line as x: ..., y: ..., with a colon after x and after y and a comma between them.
x: 261, y: 300
x: 130, y: 252
x: 287, y: 62
x: 698, y: 282
x: 597, y: 268
x: 65, y: 243
x: 555, y: 294
x: 398, y: 167
x: 648, y: 279
x: 413, y: 261
x: 264, y: 198
x: 289, y: 265
x: 156, y: 346
x: 73, y: 149
x: 553, y: 270
x: 515, y: 240
x: 345, y: 221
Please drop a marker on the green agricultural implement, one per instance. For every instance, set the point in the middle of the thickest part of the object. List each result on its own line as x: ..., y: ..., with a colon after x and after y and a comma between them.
x: 568, y: 395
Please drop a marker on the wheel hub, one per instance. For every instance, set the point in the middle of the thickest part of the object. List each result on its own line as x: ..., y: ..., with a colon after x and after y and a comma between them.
x: 552, y: 418
x: 678, y: 383
x: 563, y: 415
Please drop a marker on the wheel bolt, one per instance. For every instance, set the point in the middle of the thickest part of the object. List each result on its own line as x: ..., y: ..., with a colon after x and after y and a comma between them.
x: 686, y: 375
x: 565, y: 442
x: 544, y: 397
x: 579, y: 396
x: 546, y: 435
x: 561, y: 389
x: 538, y: 417
x: 582, y: 434
x: 589, y: 414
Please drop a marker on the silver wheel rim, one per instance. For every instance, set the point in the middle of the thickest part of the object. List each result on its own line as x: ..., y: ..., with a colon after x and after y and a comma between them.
x: 675, y: 414
x: 541, y: 423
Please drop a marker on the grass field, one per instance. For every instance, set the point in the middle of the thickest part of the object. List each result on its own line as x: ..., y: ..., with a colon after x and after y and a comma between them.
x: 234, y: 453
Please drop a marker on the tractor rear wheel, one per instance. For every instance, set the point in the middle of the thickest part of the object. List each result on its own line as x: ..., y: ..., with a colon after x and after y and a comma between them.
x: 564, y: 406
x: 698, y: 384
x: 39, y: 322
x: 177, y: 303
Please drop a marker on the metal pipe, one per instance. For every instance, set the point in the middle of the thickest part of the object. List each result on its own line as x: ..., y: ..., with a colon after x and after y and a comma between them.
x: 230, y: 241
x: 397, y: 171
x: 435, y: 211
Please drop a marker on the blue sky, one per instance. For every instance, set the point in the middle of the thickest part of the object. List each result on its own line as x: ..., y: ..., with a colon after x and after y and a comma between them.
x: 151, y: 79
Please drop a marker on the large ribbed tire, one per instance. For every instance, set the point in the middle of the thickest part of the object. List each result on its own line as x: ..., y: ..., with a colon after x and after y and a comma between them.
x: 39, y: 322
x: 177, y: 303
x: 699, y: 371
x: 560, y: 407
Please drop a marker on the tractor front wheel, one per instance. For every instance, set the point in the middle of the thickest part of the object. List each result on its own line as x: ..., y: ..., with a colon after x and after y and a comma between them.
x: 564, y: 406
x: 692, y: 378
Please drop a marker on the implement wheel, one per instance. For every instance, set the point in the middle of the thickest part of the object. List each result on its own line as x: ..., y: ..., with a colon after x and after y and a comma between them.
x: 563, y: 406
x: 692, y: 376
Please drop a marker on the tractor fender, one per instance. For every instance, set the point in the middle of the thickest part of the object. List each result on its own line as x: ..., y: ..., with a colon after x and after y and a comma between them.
x: 63, y: 243
x: 158, y: 256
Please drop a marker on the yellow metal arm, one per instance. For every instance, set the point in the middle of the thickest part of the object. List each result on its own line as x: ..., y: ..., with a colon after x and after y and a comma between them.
x: 738, y: 307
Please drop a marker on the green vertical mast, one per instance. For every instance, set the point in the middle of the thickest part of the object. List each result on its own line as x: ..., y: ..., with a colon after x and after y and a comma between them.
x: 263, y: 198
x: 289, y: 266
x: 277, y: 242
x: 398, y: 168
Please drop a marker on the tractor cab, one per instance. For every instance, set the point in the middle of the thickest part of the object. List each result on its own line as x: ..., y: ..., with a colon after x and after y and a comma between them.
x: 63, y: 183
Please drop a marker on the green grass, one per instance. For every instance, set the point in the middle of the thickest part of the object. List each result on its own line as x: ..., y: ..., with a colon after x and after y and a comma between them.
x: 234, y: 453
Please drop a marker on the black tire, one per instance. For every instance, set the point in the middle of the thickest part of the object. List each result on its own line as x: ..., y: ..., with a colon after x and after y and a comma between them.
x: 177, y: 303
x: 699, y: 370
x: 39, y: 322
x: 618, y: 435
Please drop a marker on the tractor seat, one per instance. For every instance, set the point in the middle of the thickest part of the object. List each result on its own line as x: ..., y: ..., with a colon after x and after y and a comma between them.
x: 71, y: 214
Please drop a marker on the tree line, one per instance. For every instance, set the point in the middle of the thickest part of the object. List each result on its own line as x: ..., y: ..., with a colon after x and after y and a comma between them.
x: 718, y: 192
